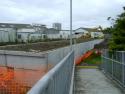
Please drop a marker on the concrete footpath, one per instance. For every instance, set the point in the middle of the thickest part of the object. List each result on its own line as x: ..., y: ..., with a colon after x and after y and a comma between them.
x: 92, y: 81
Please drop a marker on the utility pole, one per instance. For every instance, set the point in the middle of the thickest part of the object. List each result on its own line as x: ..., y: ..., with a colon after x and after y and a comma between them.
x: 71, y: 24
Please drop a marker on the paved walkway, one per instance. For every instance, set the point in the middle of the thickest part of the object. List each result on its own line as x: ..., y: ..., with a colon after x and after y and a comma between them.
x: 92, y: 81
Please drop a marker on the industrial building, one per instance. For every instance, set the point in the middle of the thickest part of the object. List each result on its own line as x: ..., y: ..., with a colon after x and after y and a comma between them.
x: 11, y: 32
x: 7, y: 33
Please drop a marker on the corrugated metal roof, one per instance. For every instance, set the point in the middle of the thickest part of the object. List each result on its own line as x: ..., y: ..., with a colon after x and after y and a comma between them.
x: 14, y: 25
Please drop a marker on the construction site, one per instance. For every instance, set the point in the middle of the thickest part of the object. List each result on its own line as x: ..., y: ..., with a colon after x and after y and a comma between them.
x: 62, y: 47
x: 21, y: 70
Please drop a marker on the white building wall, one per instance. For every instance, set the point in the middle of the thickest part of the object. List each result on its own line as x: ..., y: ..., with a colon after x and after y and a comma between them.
x: 97, y: 34
x: 26, y: 30
x: 82, y: 31
x: 23, y: 36
x: 7, y: 35
x: 29, y: 36
x: 12, y: 35
x: 35, y: 37
x: 53, y: 36
x: 65, y: 34
x: 77, y: 35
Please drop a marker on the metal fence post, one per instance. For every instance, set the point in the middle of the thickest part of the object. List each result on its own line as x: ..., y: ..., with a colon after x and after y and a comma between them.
x: 123, y: 70
x: 6, y: 63
x: 47, y: 63
x: 112, y: 66
x: 106, y: 62
x: 102, y: 63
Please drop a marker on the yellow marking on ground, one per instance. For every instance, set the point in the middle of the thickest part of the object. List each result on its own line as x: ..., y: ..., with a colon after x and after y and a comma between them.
x: 87, y: 67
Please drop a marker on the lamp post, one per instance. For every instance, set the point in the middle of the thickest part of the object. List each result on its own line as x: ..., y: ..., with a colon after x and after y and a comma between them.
x: 71, y: 24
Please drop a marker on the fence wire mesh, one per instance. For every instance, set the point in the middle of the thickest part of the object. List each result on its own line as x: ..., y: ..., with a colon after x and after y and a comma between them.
x: 17, y: 81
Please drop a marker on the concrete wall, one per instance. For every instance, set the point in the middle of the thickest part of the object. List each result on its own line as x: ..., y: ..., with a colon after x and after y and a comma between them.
x: 24, y: 60
x: 29, y: 67
x: 46, y: 60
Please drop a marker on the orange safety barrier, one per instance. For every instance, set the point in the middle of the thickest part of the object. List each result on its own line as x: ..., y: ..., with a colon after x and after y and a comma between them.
x: 18, y: 81
x: 8, y: 75
x: 84, y: 56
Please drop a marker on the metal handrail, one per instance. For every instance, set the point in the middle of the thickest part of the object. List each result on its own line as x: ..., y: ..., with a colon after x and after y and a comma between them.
x: 52, y: 82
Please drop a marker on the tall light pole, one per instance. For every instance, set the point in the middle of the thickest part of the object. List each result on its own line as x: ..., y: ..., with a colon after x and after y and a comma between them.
x: 71, y: 24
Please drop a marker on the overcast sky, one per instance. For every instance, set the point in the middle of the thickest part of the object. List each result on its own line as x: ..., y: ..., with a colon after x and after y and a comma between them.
x: 86, y: 13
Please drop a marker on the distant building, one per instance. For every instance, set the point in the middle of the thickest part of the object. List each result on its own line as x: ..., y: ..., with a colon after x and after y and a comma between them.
x: 10, y: 32
x: 24, y: 33
x: 7, y: 33
x: 97, y: 35
x: 65, y: 34
x: 29, y: 36
x: 57, y: 26
x: 81, y: 31
x: 52, y: 33
x: 14, y: 25
x: 92, y: 32
x: 39, y: 28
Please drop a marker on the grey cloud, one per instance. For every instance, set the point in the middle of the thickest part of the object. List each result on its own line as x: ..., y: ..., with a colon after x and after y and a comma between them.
x: 88, y: 13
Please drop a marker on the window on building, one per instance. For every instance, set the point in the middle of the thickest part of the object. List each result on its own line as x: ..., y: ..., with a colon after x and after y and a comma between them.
x: 44, y: 36
x: 19, y: 36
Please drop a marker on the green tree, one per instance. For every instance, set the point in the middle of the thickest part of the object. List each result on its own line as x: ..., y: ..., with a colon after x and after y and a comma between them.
x: 118, y: 29
x: 107, y: 30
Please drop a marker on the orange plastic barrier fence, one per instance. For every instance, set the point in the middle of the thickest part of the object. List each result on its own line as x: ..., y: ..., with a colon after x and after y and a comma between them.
x: 84, y: 56
x: 18, y: 81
